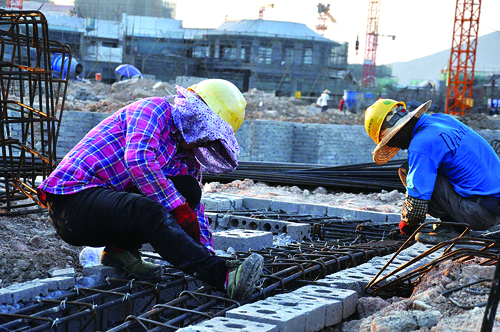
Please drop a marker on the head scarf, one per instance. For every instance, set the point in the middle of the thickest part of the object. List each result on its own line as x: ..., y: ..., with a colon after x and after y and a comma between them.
x: 198, y: 124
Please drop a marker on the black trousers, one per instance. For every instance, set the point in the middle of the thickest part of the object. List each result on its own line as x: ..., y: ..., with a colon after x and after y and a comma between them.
x: 99, y: 216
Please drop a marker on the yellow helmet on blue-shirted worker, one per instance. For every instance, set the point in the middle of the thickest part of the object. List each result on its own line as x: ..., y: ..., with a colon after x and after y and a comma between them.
x: 224, y: 98
x: 375, y: 115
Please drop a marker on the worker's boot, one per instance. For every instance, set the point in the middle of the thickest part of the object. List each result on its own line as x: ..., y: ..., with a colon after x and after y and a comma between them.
x: 440, y: 234
x: 243, y: 276
x: 132, y: 262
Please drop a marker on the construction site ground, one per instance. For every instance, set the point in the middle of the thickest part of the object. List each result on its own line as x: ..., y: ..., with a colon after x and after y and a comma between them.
x: 30, y: 247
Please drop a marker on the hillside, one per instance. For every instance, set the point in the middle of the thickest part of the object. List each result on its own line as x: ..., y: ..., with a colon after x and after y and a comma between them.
x: 429, y: 67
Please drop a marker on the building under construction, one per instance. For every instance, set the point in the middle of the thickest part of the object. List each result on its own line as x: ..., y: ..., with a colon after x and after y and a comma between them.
x: 283, y: 57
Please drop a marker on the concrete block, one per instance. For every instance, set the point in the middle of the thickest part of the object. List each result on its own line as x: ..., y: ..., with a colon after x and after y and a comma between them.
x: 28, y: 291
x: 6, y: 296
x: 242, y: 239
x: 288, y: 318
x: 256, y: 204
x: 59, y: 283
x: 298, y: 232
x: 224, y: 324
x: 313, y: 209
x: 100, y: 272
x: 315, y: 321
x: 349, y: 298
x: 288, y: 207
x: 209, y: 204
x: 334, y: 211
x: 69, y: 272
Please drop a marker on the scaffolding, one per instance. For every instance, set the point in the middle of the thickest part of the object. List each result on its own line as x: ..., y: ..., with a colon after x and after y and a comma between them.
x: 31, y: 101
x: 280, y: 63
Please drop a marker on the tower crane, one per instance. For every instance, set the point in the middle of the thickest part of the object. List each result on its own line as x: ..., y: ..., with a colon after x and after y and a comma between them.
x: 369, y: 63
x: 324, y: 13
x: 262, y: 9
x: 463, y: 57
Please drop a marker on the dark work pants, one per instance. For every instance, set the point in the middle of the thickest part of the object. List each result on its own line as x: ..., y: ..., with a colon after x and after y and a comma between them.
x: 98, y: 217
x: 447, y: 204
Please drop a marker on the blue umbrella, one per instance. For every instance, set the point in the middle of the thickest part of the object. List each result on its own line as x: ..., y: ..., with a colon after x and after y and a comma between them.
x: 128, y: 71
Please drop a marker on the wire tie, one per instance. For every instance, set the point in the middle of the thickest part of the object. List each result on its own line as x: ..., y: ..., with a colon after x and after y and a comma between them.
x: 129, y: 284
x: 55, y: 322
x: 94, y: 306
x: 125, y: 298
x: 107, y: 280
x: 77, y: 290
x: 63, y: 303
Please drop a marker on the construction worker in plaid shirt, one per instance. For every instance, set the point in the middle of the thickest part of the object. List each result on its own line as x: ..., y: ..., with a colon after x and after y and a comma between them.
x: 135, y: 178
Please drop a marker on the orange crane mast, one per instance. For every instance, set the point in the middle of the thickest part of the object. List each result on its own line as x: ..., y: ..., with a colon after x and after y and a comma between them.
x: 369, y: 63
x: 463, y: 57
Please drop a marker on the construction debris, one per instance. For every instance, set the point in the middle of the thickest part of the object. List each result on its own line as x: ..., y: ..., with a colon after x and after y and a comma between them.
x: 431, y: 307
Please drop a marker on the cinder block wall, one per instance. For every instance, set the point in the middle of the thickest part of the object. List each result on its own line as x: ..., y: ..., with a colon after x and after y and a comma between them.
x: 74, y: 126
x: 271, y: 141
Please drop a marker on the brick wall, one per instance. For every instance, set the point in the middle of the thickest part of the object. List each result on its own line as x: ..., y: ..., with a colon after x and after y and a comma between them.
x: 271, y: 141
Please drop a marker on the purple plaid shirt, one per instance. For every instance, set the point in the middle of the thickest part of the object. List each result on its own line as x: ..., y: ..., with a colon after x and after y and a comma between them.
x: 136, y: 146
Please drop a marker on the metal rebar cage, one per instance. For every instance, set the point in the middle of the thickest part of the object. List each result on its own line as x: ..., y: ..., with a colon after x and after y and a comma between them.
x: 32, y: 97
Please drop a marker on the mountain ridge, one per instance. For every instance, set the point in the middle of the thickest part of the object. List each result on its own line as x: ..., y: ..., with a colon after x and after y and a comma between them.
x: 429, y: 67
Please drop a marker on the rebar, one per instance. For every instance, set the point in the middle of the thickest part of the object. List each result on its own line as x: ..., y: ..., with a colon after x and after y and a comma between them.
x: 32, y: 97
x: 152, y: 306
x: 357, y: 177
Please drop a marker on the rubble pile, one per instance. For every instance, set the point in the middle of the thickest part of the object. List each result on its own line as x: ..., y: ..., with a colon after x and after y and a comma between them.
x: 427, y: 309
x: 105, y: 98
x: 480, y: 121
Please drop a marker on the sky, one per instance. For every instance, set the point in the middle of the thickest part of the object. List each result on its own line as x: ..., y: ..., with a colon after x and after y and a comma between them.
x: 421, y: 27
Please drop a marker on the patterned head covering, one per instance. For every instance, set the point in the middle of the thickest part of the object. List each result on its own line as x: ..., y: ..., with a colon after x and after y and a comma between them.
x: 198, y: 124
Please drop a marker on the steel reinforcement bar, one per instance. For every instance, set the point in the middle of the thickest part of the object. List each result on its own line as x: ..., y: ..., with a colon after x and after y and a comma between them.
x: 176, y: 300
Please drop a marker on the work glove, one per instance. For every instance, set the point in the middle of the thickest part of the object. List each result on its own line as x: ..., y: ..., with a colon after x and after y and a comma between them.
x: 188, y: 221
x: 405, y: 229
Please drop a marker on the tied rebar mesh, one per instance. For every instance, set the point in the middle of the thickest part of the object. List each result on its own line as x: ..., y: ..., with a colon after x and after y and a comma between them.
x: 32, y: 99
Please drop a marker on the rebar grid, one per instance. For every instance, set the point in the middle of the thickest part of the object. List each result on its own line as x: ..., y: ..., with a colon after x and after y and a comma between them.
x: 399, y: 283
x: 140, y: 305
x: 333, y: 229
x: 32, y: 97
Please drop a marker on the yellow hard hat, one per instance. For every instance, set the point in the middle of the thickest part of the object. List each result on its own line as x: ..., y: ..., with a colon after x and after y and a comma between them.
x: 375, y: 115
x: 224, y: 98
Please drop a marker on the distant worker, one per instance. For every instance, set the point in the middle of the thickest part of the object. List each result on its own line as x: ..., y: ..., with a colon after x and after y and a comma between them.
x: 341, y: 104
x: 323, y: 101
x: 451, y: 173
x: 135, y: 179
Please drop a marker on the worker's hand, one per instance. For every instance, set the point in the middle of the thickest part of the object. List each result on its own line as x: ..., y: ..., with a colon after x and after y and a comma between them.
x: 188, y: 221
x: 405, y: 229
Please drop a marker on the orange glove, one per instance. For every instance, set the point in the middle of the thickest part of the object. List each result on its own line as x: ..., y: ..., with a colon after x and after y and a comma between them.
x: 188, y: 221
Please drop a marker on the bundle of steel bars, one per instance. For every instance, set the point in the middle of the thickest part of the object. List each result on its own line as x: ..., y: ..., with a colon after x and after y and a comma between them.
x: 31, y: 100
x: 357, y: 177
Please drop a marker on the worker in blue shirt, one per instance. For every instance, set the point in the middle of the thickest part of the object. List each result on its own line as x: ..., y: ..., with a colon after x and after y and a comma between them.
x: 451, y: 173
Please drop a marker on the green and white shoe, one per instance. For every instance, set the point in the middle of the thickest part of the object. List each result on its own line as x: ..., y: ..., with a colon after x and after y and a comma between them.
x: 243, y: 276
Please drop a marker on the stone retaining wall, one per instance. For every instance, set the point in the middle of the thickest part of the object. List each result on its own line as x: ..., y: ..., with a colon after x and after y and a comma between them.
x: 270, y: 141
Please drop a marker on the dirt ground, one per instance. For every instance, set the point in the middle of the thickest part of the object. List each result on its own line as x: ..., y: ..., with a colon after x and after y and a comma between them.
x: 30, y: 248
